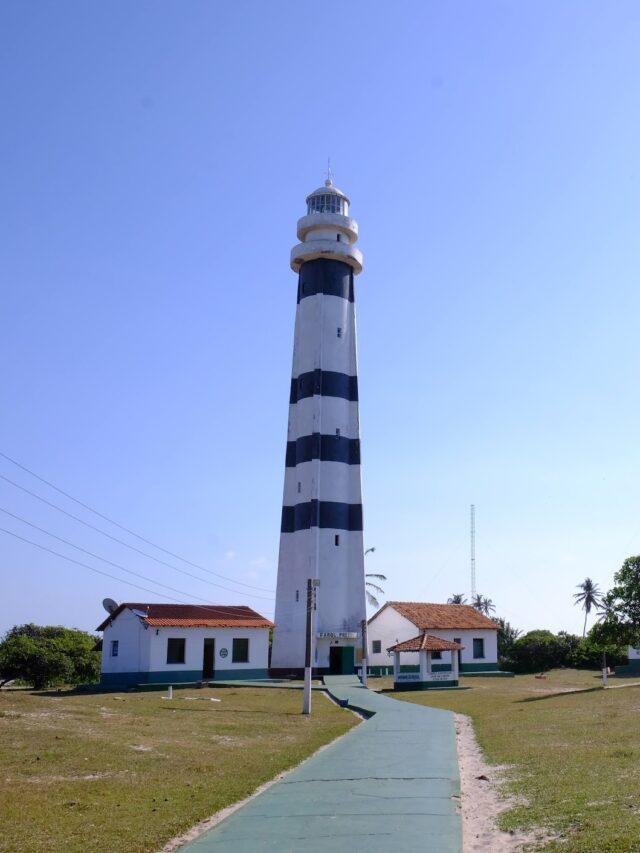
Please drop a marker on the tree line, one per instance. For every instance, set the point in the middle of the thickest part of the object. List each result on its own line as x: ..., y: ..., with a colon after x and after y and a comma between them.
x: 606, y: 644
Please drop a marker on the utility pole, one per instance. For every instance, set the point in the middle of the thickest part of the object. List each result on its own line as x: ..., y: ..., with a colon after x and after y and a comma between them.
x: 308, y: 651
x: 363, y: 626
x: 473, y: 552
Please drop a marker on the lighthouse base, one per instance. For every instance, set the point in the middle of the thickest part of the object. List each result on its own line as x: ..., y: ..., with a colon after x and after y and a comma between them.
x: 342, y: 661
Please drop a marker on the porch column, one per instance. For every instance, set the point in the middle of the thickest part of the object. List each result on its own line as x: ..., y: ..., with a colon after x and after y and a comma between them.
x: 396, y: 665
x: 428, y: 654
x: 454, y: 665
x: 422, y: 657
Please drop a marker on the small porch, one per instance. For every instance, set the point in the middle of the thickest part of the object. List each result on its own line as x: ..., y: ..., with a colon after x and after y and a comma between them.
x: 425, y: 678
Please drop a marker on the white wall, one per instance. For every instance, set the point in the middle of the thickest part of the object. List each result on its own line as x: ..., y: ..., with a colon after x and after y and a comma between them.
x: 390, y: 627
x: 317, y: 342
x: 634, y: 654
x: 133, y: 645
x: 339, y: 598
x: 336, y: 414
x: 194, y: 647
x: 340, y: 483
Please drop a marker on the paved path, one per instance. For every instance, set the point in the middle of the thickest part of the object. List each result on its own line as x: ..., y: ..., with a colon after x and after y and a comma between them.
x: 388, y: 784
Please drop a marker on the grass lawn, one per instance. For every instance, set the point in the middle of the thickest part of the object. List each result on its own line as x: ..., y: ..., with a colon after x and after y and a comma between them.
x: 126, y: 771
x: 575, y: 757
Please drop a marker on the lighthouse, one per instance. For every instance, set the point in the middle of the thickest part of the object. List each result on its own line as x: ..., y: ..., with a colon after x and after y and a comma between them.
x: 321, y: 536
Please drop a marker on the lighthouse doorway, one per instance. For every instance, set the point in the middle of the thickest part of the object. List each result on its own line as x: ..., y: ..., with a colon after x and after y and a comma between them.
x: 341, y: 660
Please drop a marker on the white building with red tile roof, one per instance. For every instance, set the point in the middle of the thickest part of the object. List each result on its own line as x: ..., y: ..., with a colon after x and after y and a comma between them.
x: 400, y: 621
x: 178, y: 643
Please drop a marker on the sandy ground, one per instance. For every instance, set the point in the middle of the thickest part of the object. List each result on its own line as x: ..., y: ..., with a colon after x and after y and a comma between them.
x: 482, y: 803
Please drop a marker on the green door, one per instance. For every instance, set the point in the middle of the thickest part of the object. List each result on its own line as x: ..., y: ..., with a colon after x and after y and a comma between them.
x: 348, y: 660
x: 341, y: 660
x: 208, y: 658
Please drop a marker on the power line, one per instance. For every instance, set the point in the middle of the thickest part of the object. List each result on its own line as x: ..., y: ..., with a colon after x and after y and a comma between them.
x: 117, y: 565
x: 121, y: 526
x: 208, y: 608
x: 133, y: 547
x: 78, y: 563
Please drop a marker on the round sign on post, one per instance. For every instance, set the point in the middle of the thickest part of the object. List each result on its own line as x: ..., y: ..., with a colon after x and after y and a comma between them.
x: 224, y: 653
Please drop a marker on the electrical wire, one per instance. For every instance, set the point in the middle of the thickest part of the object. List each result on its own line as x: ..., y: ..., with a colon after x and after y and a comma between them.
x: 121, y: 526
x: 78, y: 563
x: 131, y: 547
x: 123, y: 568
x: 209, y: 608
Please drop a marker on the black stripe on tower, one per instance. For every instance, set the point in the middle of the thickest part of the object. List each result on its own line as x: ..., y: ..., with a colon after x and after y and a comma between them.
x: 326, y: 448
x: 326, y: 276
x: 314, y: 513
x: 326, y: 383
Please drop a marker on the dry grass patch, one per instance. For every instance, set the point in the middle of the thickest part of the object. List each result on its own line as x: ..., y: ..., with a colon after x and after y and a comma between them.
x: 573, y: 756
x: 131, y: 771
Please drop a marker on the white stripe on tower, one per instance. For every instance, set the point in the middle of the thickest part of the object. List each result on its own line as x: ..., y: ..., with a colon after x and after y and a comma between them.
x: 321, y: 531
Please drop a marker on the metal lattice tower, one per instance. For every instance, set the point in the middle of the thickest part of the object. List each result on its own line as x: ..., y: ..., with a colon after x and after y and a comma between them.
x: 473, y: 552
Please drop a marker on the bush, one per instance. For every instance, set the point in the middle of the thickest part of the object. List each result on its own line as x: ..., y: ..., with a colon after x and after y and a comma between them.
x: 47, y: 655
x: 590, y: 650
x: 540, y: 650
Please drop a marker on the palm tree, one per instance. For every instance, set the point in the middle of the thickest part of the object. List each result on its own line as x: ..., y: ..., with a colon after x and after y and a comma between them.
x: 488, y: 607
x: 507, y: 635
x: 369, y: 585
x: 483, y: 604
x: 457, y: 598
x: 589, y: 596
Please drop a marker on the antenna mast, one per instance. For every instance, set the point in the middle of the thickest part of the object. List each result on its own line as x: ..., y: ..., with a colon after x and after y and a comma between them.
x: 473, y: 552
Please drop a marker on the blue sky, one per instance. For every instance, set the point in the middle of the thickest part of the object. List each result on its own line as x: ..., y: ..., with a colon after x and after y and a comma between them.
x: 155, y: 159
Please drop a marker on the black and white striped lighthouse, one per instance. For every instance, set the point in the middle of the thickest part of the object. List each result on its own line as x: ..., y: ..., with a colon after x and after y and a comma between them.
x: 321, y: 532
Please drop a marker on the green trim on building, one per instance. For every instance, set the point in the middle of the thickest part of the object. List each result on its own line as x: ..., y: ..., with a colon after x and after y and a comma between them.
x: 492, y: 673
x: 485, y: 666
x: 120, y: 680
x: 627, y: 669
x: 380, y: 670
x: 422, y: 685
x: 240, y: 675
x: 465, y: 669
x: 171, y: 677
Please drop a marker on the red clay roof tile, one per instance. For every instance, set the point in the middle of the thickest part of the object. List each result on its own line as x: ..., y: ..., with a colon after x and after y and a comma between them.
x: 441, y: 616
x: 193, y: 616
x: 425, y: 642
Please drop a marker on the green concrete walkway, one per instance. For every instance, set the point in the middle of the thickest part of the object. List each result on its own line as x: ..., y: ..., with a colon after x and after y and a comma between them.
x: 390, y: 783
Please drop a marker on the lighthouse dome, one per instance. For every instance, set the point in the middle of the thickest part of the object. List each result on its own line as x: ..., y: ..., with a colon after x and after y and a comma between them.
x: 328, y: 199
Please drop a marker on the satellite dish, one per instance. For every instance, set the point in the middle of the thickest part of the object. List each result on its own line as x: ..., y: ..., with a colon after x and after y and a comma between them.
x: 109, y: 605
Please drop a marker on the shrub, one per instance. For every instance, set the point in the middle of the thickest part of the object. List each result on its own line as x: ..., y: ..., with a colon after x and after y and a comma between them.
x: 48, y: 655
x: 540, y: 650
